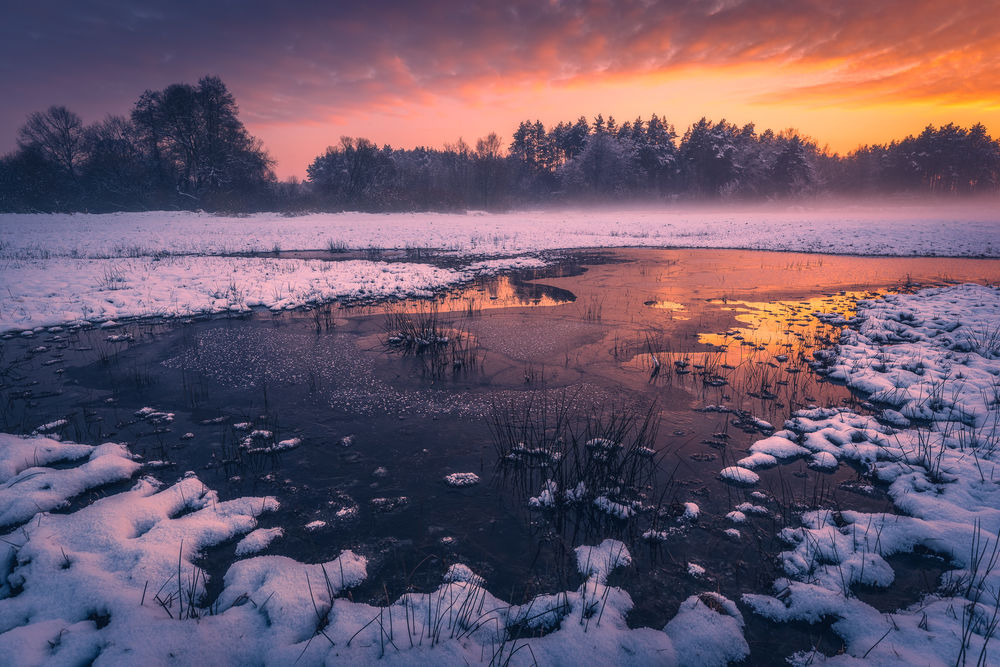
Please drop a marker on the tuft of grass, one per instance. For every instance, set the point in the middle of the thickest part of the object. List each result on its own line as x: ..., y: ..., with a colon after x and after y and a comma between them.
x: 588, y: 458
x: 112, y: 278
x: 440, y: 349
x: 336, y: 246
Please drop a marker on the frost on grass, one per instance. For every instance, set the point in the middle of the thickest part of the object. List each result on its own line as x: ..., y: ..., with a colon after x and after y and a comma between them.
x: 931, y: 361
x: 613, y: 508
x: 51, y: 426
x: 506, y: 263
x: 749, y: 508
x: 116, y: 582
x: 547, y: 497
x: 460, y: 572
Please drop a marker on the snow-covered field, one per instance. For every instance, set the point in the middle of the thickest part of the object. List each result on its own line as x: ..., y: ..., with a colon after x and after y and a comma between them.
x: 931, y: 361
x: 62, y: 268
x: 898, y: 228
x: 63, y: 290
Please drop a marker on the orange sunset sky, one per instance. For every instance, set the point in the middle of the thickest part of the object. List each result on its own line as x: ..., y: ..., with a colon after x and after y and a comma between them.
x: 426, y: 73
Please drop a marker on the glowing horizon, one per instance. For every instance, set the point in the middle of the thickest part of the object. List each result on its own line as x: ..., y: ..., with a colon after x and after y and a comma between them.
x: 409, y: 74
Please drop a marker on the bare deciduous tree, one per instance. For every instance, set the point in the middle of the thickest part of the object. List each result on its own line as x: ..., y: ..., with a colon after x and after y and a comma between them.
x: 57, y: 134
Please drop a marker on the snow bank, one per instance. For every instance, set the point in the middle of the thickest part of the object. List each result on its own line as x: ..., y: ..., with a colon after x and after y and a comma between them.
x: 934, y: 357
x: 19, y: 453
x: 116, y: 582
x: 926, y: 356
x: 55, y: 291
x: 41, y: 489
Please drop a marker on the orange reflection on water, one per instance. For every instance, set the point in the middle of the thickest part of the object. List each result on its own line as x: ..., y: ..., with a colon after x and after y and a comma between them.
x: 780, y: 326
x: 666, y: 305
x: 499, y: 292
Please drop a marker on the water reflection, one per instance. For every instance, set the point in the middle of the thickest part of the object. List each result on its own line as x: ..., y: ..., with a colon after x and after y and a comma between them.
x: 718, y: 341
x: 778, y: 326
x: 483, y: 294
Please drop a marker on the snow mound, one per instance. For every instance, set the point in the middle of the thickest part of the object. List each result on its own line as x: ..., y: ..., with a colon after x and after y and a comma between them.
x: 691, y: 512
x: 459, y: 479
x: 257, y: 541
x: 20, y: 453
x: 601, y: 560
x: 739, y: 475
x: 41, y: 489
x: 460, y: 572
x: 757, y: 460
x: 708, y: 630
x: 778, y: 447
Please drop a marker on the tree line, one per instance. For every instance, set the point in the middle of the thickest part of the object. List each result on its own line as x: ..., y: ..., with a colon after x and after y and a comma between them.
x: 184, y: 147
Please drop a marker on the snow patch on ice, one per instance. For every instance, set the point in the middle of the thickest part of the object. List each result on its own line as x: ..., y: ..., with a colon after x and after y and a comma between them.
x: 739, y: 475
x: 600, y: 561
x: 257, y: 541
x: 460, y: 479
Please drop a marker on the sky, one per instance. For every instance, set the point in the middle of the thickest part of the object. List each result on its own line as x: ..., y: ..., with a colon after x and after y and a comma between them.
x: 409, y: 73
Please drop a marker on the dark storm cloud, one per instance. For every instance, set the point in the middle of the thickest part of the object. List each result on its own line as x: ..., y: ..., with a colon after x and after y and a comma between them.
x: 309, y: 60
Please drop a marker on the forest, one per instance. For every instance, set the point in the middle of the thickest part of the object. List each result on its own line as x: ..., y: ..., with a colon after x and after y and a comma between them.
x: 185, y: 148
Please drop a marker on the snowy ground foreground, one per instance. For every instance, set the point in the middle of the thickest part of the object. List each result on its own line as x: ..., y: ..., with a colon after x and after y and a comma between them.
x: 932, y: 361
x: 115, y: 583
x: 891, y: 228
x: 65, y: 290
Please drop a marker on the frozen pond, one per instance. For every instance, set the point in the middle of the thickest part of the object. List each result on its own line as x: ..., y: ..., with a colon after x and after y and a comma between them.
x: 686, y: 356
